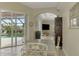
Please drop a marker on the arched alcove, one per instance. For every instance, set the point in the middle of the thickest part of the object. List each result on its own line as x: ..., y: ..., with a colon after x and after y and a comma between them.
x: 46, y: 18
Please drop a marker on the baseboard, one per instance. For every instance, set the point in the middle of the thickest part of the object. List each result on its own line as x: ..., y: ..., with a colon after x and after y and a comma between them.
x: 65, y: 53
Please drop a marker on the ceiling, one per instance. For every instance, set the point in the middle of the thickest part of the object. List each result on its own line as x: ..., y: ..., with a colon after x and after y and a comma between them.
x: 59, y: 5
x: 46, y: 16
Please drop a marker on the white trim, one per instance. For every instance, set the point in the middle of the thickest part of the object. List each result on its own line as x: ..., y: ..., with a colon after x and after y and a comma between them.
x: 27, y: 25
x: 65, y: 52
x: 9, y: 10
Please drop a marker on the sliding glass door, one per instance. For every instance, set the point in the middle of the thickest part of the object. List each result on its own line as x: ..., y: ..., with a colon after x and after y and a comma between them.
x: 5, y: 32
x: 19, y: 30
x: 11, y: 30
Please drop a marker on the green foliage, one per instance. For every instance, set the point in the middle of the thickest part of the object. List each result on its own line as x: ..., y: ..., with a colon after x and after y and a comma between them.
x: 16, y: 30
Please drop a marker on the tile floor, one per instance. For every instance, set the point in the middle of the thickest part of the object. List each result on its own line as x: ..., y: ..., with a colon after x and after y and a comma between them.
x: 11, y: 51
x: 16, y: 51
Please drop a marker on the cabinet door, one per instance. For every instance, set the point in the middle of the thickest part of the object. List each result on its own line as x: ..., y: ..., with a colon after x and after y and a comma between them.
x: 58, y: 25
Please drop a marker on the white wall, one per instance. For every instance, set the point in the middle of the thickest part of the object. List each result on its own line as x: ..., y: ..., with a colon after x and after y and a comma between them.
x: 66, y: 41
x: 70, y: 36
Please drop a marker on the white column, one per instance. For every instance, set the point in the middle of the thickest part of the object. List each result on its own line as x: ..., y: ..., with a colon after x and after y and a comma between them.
x: 0, y: 32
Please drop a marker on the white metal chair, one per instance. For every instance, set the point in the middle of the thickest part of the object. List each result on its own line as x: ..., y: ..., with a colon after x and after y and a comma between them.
x: 36, y: 49
x: 51, y: 46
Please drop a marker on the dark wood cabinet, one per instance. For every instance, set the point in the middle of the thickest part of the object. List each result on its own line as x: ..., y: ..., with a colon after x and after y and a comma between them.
x: 58, y: 25
x: 58, y: 30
